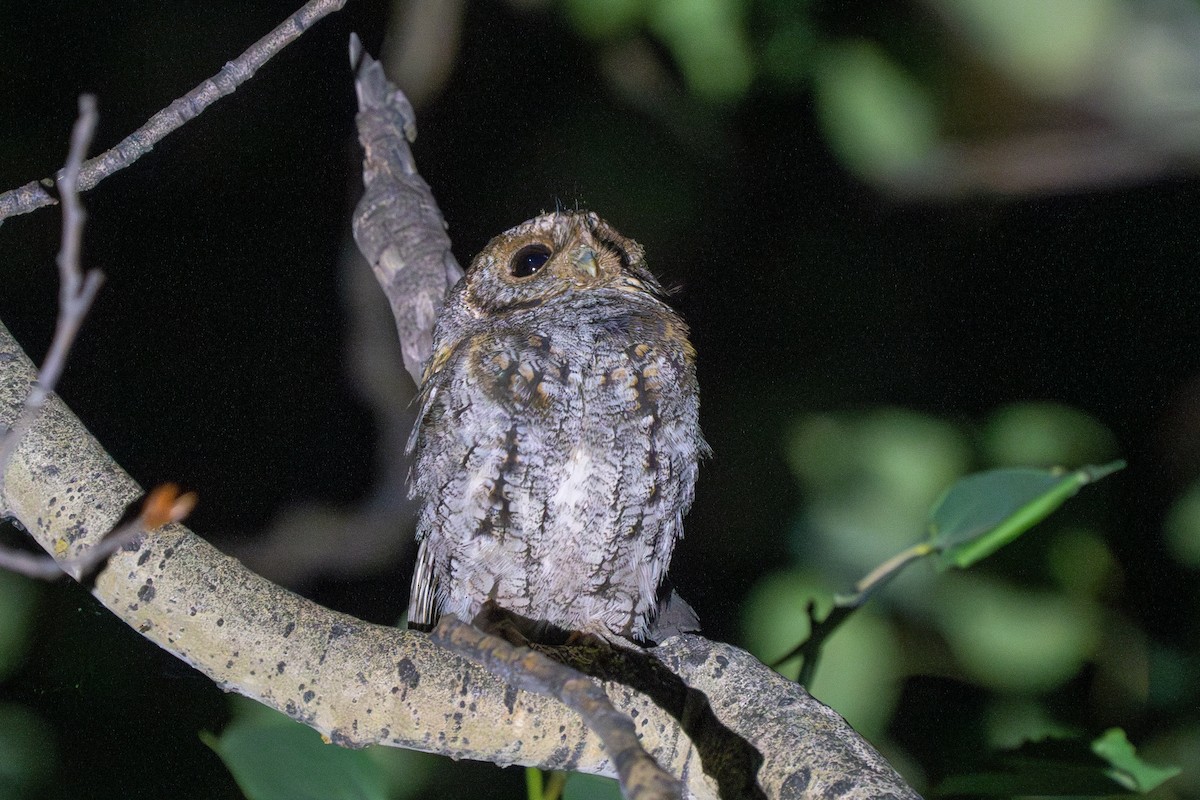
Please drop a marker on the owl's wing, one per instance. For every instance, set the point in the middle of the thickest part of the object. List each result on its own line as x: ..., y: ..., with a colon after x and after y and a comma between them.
x: 423, y: 604
x: 422, y: 401
x: 422, y: 601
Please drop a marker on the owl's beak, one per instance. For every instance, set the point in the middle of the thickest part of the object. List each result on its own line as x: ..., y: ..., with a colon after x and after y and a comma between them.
x: 585, y: 261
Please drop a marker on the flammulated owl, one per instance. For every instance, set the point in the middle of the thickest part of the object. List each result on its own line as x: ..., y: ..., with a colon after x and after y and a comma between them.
x: 557, y: 441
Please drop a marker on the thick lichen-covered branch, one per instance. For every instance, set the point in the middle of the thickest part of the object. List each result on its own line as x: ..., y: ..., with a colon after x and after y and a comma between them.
x: 360, y: 683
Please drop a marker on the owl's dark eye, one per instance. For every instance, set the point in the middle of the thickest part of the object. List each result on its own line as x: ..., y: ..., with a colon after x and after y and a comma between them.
x: 528, y: 260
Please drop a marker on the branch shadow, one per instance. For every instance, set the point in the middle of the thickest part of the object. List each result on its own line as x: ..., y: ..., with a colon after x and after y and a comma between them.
x: 725, y: 756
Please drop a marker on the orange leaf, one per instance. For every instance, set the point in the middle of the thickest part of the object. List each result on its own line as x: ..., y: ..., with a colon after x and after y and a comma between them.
x: 165, y: 504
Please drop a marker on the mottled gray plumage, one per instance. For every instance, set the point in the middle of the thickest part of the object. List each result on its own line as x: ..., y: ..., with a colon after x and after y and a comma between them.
x: 557, y: 442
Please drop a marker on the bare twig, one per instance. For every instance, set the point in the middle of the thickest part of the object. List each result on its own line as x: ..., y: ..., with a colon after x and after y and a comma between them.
x: 76, y: 291
x: 31, y: 565
x: 339, y: 542
x: 163, y: 505
x: 640, y: 775
x: 75, y: 295
x: 33, y: 195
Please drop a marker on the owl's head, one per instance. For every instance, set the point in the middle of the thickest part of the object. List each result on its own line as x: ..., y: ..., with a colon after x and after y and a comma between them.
x: 552, y: 255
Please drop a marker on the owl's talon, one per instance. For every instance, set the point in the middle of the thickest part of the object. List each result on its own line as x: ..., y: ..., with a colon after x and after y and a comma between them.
x: 504, y: 627
x: 510, y: 626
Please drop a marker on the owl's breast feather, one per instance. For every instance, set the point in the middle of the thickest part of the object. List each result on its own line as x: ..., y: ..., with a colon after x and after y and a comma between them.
x: 573, y: 487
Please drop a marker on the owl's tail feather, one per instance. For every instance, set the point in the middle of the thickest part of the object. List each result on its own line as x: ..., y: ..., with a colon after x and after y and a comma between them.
x: 675, y: 616
x: 422, y: 600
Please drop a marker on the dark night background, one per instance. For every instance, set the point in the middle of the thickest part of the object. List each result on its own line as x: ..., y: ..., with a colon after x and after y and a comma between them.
x: 215, y: 354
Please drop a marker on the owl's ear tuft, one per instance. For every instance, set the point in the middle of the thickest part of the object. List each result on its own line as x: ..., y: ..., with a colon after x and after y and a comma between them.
x: 528, y: 260
x: 630, y: 252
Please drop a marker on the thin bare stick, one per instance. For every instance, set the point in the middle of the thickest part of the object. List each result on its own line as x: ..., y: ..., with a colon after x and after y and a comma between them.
x: 76, y: 291
x: 42, y: 567
x: 639, y: 774
x: 32, y: 565
x: 33, y: 195
x: 163, y: 505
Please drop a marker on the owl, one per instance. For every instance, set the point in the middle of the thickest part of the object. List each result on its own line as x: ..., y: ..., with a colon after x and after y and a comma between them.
x: 557, y: 440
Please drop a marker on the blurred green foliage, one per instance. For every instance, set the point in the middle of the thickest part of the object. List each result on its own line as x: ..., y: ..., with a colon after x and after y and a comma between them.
x: 1015, y: 640
x: 870, y: 479
x: 974, y: 518
x: 1183, y: 528
x: 877, y: 118
x: 1044, y: 435
x: 1127, y: 768
x: 18, y: 597
x: 861, y: 665
x: 707, y: 38
x: 1019, y: 627
x: 1050, y: 48
x: 709, y: 44
x: 28, y: 756
x: 27, y: 748
x: 903, y: 102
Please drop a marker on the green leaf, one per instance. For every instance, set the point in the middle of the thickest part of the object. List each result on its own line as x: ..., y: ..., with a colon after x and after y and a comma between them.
x: 1127, y: 768
x: 1054, y: 766
x: 983, y: 512
x: 876, y: 116
x: 274, y: 758
x: 591, y: 787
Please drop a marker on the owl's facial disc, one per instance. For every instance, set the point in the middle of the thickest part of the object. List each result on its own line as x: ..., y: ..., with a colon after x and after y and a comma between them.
x: 580, y: 264
x: 550, y: 256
